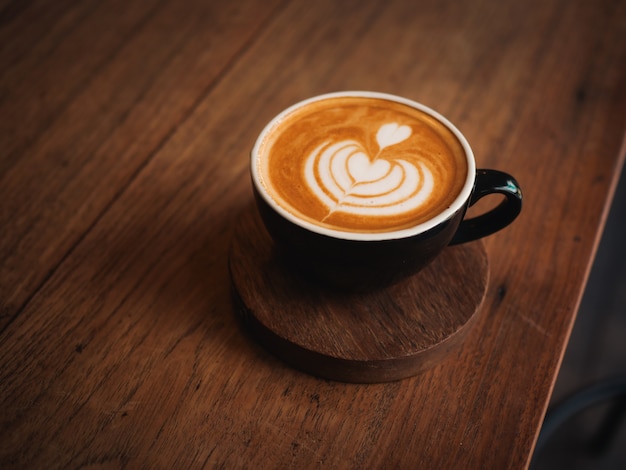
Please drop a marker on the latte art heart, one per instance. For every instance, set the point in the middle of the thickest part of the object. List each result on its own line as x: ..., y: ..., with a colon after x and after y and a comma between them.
x: 359, y: 164
x: 346, y: 179
x: 360, y: 168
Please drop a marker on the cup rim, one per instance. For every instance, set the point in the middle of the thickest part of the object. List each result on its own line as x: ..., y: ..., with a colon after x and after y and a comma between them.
x: 406, y: 232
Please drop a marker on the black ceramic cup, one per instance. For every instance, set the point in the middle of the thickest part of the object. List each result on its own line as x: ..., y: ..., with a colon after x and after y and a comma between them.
x: 357, y: 261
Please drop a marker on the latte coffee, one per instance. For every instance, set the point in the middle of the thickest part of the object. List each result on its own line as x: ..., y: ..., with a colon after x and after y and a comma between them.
x: 355, y: 163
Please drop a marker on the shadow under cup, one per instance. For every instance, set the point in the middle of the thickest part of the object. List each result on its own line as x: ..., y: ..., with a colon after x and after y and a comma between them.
x: 357, y: 262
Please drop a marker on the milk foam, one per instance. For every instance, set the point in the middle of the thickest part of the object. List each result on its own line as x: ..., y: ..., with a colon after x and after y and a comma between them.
x: 346, y: 179
x: 362, y: 165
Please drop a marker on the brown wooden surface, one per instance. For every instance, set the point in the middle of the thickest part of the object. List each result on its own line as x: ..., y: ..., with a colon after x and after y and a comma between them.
x: 125, y: 128
x: 378, y: 336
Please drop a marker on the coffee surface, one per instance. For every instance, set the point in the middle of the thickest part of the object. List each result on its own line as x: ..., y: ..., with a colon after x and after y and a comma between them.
x: 362, y: 164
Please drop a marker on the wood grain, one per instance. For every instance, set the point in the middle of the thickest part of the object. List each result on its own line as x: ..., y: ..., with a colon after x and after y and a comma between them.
x: 84, y: 120
x: 376, y: 336
x: 125, y: 129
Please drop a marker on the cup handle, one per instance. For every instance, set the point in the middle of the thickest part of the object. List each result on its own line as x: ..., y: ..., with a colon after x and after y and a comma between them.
x: 491, y: 182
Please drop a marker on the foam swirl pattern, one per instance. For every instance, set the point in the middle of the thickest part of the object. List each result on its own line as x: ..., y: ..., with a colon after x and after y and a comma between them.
x: 346, y: 179
x: 360, y: 164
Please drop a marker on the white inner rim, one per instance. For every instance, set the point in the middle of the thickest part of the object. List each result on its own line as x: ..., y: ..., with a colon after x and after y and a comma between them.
x: 365, y: 236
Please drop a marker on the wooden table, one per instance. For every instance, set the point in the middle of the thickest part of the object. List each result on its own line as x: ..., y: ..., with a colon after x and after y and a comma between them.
x: 125, y: 128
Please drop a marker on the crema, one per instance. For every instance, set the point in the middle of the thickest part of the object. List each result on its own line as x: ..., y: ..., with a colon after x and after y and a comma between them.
x: 361, y: 164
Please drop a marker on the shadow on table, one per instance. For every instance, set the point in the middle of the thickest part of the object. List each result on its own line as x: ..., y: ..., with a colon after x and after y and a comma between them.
x: 594, y: 362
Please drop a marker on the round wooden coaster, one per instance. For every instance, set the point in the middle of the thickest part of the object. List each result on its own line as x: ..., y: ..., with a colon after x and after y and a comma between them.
x: 379, y: 336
